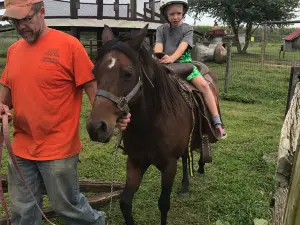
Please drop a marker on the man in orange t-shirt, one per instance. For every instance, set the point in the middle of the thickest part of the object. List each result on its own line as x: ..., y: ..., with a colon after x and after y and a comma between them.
x: 43, y: 80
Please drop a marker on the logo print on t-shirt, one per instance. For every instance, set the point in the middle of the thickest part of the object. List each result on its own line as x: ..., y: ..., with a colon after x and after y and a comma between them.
x: 51, y: 56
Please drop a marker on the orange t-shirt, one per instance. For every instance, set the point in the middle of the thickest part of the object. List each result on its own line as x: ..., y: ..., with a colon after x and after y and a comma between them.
x: 45, y: 81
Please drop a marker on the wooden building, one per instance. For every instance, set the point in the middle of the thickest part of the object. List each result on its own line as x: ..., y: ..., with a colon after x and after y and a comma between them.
x: 91, y: 15
x: 292, y: 41
x: 77, y: 16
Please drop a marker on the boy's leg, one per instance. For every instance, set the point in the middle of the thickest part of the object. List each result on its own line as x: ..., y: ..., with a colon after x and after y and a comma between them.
x: 61, y: 181
x: 23, y: 208
x: 201, y: 84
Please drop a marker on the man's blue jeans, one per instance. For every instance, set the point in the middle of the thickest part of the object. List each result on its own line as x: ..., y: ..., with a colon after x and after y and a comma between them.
x: 61, y: 181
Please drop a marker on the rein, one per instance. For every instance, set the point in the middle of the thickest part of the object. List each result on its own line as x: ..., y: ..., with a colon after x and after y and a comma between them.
x: 4, y: 138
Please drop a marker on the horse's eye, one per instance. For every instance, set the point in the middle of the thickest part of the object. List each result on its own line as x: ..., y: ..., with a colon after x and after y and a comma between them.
x: 127, y: 75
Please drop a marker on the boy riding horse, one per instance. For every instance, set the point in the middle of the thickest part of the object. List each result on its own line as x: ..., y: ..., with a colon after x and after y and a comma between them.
x: 175, y: 38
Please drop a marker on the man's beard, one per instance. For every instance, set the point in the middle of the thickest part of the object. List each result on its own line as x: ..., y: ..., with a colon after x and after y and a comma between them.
x: 29, y: 35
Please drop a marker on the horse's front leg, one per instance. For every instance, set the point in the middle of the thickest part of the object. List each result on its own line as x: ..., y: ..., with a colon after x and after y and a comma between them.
x: 134, y: 178
x: 167, y: 179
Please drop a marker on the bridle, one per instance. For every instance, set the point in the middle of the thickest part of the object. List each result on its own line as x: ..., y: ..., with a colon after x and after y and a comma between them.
x: 121, y: 102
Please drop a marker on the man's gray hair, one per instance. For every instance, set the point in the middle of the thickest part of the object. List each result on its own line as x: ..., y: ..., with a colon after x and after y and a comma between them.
x: 37, y: 6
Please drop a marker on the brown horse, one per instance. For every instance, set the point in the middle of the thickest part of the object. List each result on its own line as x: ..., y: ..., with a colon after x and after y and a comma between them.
x: 161, y: 121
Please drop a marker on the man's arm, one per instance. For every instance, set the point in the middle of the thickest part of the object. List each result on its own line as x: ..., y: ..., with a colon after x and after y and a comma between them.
x: 5, y: 96
x: 5, y: 101
x: 90, y: 89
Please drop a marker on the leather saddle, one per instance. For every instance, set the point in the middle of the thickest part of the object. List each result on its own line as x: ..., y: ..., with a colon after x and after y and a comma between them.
x: 204, y: 127
x: 183, y: 70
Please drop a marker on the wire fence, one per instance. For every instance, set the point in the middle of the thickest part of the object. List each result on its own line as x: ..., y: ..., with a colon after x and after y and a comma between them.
x: 250, y: 80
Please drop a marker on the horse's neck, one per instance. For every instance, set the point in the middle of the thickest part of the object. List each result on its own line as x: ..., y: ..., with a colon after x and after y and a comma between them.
x: 150, y: 106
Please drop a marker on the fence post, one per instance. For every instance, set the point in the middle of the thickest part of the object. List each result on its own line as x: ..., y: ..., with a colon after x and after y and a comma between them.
x: 228, y: 65
x: 264, y: 45
x: 294, y: 79
x: 117, y: 9
x: 74, y: 9
x: 91, y: 49
x: 152, y: 7
x: 133, y: 6
x: 100, y: 9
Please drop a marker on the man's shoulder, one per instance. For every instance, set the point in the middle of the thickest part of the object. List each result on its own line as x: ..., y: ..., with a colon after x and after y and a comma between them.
x: 65, y: 37
x: 15, y: 46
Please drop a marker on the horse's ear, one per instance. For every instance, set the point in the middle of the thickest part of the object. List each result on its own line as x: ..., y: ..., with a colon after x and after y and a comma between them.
x: 107, y: 34
x: 136, y: 41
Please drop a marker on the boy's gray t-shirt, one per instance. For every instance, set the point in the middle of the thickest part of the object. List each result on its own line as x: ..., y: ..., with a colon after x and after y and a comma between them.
x: 171, y: 39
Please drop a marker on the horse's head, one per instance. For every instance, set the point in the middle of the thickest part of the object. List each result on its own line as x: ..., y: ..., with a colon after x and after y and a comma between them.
x: 118, y: 74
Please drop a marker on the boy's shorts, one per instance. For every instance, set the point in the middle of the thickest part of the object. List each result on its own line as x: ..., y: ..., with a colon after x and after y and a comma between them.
x: 187, y: 58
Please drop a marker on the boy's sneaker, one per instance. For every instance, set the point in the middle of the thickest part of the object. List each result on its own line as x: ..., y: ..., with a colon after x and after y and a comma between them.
x: 222, y: 131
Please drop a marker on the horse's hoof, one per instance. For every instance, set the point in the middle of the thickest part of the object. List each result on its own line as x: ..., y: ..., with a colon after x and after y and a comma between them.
x: 183, y: 191
x: 184, y: 195
x: 201, y: 171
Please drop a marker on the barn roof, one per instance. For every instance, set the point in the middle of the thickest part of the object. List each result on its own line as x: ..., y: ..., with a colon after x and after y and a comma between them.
x: 292, y: 36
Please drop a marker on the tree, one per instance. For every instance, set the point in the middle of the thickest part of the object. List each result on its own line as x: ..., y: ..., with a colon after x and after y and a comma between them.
x: 248, y: 13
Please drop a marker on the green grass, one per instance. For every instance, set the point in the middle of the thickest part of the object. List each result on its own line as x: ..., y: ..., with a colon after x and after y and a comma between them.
x: 238, y: 184
x: 5, y: 42
x: 2, y: 63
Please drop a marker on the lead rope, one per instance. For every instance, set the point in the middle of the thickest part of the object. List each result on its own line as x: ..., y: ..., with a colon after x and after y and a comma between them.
x: 6, y: 139
x: 117, y: 145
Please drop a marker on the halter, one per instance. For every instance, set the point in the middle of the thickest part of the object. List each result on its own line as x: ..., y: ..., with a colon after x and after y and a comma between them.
x: 121, y: 102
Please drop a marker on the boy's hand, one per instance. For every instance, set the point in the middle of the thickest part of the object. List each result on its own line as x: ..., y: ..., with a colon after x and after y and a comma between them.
x: 166, y: 59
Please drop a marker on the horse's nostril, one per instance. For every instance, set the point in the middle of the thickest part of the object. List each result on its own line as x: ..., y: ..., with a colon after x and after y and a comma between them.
x: 102, y: 126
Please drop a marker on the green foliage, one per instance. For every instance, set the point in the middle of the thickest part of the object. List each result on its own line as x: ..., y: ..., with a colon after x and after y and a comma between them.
x: 236, y: 13
x: 203, y: 29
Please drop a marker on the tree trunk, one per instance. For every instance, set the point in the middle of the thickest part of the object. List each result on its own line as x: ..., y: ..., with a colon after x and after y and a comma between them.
x: 287, y: 197
x: 235, y: 29
x: 248, y: 37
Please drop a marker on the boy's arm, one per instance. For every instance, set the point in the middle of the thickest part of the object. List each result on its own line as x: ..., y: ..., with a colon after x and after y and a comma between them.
x: 187, y: 41
x: 158, y: 47
x: 180, y: 50
x: 176, y: 55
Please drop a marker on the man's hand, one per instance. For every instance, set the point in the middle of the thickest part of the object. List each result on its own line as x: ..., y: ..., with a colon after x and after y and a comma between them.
x: 123, y: 122
x: 166, y: 59
x: 4, y: 109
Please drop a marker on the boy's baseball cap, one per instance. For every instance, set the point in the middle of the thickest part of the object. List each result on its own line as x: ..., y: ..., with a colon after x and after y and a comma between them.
x: 17, y: 9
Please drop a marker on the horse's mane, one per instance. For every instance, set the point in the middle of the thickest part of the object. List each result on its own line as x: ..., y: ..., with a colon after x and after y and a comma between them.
x: 164, y: 96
